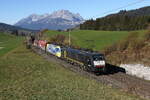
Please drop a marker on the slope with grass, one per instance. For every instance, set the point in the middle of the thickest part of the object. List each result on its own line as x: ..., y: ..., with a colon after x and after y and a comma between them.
x: 25, y: 76
x: 96, y: 40
x: 132, y: 54
x: 134, y: 49
x: 8, y: 42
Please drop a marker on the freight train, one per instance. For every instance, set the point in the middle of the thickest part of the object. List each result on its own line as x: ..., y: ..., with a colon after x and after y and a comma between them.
x: 91, y: 61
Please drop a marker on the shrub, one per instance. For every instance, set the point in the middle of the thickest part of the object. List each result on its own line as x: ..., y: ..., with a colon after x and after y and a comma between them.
x: 131, y: 41
x: 132, y: 36
x: 123, y: 45
x: 59, y: 39
x: 110, y: 49
x: 147, y: 36
x: 136, y: 44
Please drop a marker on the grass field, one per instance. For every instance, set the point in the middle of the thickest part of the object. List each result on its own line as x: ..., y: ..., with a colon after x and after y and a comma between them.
x: 26, y: 76
x: 8, y: 42
x: 97, y: 40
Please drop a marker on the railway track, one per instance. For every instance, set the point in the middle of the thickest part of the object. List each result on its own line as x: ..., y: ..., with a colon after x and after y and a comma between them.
x: 115, y: 77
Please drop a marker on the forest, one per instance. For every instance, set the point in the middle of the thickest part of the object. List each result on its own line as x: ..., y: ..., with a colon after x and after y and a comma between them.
x: 138, y: 19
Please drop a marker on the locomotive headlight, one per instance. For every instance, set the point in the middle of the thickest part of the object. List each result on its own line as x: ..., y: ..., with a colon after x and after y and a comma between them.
x: 99, y: 63
x: 102, y: 62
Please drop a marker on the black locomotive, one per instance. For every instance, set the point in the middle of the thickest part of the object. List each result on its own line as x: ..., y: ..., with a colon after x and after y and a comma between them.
x: 91, y: 61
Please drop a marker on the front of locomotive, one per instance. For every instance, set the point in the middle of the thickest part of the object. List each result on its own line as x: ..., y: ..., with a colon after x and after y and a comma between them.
x: 99, y: 63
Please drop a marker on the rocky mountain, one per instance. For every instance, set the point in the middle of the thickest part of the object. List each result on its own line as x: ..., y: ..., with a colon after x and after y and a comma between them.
x: 62, y: 19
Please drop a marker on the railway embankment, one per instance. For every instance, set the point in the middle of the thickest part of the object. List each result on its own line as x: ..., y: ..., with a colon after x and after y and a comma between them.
x: 115, y: 77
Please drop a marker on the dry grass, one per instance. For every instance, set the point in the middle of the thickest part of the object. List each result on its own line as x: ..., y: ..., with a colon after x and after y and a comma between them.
x: 147, y: 36
x: 130, y: 50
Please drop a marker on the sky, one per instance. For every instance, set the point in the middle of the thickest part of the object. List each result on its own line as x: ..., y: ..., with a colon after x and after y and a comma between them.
x: 12, y: 11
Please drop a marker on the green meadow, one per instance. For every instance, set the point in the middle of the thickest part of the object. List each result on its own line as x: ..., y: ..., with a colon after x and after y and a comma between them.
x: 9, y: 42
x: 96, y: 40
x: 25, y: 75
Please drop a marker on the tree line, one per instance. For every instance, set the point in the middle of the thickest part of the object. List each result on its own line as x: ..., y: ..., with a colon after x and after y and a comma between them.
x: 117, y: 23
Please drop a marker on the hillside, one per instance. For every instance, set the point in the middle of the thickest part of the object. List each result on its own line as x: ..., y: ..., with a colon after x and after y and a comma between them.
x: 9, y: 42
x: 138, y: 19
x: 145, y: 11
x: 58, y: 20
x: 25, y: 75
x: 119, y: 46
x: 134, y: 49
x: 96, y: 40
x: 5, y: 28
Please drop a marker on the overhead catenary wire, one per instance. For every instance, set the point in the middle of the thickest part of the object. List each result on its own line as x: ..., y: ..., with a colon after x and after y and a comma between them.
x: 107, y: 12
x: 119, y: 8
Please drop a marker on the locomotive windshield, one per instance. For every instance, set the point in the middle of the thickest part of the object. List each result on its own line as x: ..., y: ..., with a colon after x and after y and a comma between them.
x: 98, y: 57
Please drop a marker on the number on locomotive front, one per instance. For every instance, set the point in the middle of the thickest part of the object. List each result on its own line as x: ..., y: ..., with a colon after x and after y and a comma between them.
x: 99, y: 61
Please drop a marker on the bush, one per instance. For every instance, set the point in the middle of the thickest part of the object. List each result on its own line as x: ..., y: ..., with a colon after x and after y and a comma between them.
x: 147, y: 36
x: 129, y: 42
x: 110, y: 49
x: 59, y: 39
x: 132, y: 36
x: 136, y: 44
x: 123, y: 45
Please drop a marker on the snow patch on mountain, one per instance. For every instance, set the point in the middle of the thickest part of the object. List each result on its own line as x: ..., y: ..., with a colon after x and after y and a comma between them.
x: 62, y: 19
x: 65, y: 14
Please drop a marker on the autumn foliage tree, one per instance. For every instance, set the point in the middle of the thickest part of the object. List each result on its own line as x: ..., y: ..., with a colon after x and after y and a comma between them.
x: 59, y: 39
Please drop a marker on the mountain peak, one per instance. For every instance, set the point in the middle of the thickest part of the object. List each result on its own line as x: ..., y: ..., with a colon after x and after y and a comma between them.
x: 63, y: 11
x: 61, y: 19
x: 66, y: 14
x: 32, y: 15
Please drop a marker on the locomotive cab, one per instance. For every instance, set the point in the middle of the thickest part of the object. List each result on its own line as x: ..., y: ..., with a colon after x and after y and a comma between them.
x: 97, y: 63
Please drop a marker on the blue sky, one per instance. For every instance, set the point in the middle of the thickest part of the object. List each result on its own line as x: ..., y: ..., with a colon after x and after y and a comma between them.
x: 13, y: 10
